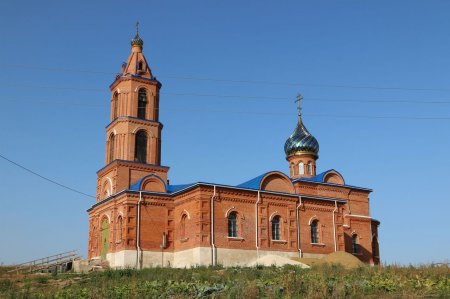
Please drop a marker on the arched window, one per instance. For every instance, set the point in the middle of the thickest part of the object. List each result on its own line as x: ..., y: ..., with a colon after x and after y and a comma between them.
x: 119, y: 229
x: 276, y: 228
x: 355, y: 246
x: 301, y: 168
x: 232, y: 225
x: 115, y: 105
x: 106, y: 189
x: 183, y: 226
x: 315, y: 231
x: 104, y: 237
x: 142, y: 103
x: 140, y: 65
x: 112, y: 139
x: 140, y: 150
x: 310, y: 171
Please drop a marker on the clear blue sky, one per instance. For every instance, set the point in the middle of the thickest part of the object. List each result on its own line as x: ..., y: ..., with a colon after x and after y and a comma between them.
x: 57, y: 59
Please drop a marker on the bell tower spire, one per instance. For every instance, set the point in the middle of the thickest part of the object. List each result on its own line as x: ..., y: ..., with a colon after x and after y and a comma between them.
x: 133, y: 136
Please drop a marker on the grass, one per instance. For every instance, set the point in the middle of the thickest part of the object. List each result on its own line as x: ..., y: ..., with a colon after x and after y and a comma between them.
x: 321, y: 281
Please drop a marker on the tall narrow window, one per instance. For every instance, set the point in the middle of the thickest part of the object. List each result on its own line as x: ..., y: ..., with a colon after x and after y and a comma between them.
x: 140, y: 150
x: 111, y: 147
x: 232, y: 225
x: 119, y: 229
x: 310, y: 171
x: 276, y: 228
x: 375, y: 247
x: 315, y: 231
x: 355, y: 246
x: 183, y: 226
x: 140, y: 65
x: 301, y: 168
x: 142, y: 103
x: 115, y: 105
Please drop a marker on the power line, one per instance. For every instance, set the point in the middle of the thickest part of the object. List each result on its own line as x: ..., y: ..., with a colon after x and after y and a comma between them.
x: 45, y: 178
x: 315, y: 115
x: 308, y: 99
x: 307, y: 84
x: 239, y: 97
x: 194, y: 78
x: 259, y: 113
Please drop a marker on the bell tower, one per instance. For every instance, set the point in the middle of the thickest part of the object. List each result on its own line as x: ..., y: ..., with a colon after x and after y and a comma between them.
x: 133, y: 136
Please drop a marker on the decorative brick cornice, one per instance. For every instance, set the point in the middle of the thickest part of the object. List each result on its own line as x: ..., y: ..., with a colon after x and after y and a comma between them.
x: 154, y: 203
x: 133, y: 120
x: 309, y: 202
x: 185, y: 199
x: 136, y: 79
x: 240, y: 193
x: 279, y: 198
x: 360, y: 219
x: 236, y: 199
x: 312, y: 208
x: 133, y: 165
x: 277, y: 204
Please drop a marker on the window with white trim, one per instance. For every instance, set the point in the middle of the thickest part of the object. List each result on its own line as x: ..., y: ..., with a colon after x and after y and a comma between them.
x: 276, y: 228
x: 301, y: 168
x: 315, y: 231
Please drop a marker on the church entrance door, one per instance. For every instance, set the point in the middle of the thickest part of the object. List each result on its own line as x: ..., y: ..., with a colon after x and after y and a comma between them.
x: 105, y: 237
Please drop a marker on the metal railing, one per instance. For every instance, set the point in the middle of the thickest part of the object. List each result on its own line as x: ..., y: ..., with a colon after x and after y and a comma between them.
x: 46, y: 263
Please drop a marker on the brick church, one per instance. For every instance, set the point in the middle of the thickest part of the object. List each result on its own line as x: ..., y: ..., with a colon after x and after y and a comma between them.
x: 140, y: 220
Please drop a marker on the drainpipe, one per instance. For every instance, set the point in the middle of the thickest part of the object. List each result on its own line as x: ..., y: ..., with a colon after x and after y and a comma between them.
x: 138, y: 245
x: 300, y: 253
x: 213, y: 246
x: 256, y: 231
x: 334, y: 225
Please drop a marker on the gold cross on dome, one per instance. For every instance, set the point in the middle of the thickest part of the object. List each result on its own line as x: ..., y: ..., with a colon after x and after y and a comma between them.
x: 299, y: 108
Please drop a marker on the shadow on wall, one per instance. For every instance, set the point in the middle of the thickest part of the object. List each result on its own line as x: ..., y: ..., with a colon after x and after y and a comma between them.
x: 361, y: 252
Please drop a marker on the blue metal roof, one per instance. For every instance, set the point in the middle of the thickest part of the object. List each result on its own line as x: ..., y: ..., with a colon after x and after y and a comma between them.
x: 175, y: 188
x: 136, y: 185
x: 318, y: 178
x: 169, y: 188
x: 253, y: 183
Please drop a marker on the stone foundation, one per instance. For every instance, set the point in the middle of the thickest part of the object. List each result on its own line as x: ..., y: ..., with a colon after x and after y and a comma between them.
x: 199, y: 256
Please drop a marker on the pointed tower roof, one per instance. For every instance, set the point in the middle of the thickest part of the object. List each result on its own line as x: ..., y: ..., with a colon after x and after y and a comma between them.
x: 301, y: 141
x: 136, y: 64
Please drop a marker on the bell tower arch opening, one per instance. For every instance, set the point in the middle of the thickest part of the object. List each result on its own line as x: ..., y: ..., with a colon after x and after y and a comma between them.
x: 142, y: 103
x: 140, y: 152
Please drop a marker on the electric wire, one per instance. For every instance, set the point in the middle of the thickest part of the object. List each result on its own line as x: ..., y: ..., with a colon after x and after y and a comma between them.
x: 44, y: 178
x: 207, y: 111
x: 243, y: 97
x: 194, y: 78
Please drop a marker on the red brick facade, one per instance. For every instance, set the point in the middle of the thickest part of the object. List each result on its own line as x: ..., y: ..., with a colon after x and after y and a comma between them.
x: 141, y: 220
